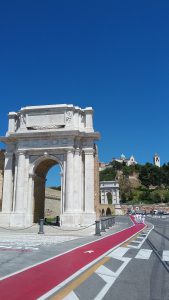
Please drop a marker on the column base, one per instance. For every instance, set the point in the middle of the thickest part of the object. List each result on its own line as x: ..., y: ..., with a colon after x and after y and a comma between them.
x: 72, y: 219
x: 21, y: 220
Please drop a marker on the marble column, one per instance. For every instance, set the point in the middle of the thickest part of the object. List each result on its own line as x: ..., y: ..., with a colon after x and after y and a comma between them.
x: 117, y: 196
x: 89, y: 181
x: 19, y: 201
x: 30, y: 204
x: 63, y: 187
x: 69, y: 182
x: 77, y: 203
x: 8, y: 183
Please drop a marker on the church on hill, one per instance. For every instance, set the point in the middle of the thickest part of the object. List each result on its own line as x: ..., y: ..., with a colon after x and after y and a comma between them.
x: 128, y: 161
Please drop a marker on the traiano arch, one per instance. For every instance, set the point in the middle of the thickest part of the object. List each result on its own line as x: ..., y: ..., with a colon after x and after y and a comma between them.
x: 39, y: 137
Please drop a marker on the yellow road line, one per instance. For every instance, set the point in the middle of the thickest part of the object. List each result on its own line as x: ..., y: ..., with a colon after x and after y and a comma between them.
x: 132, y: 239
x: 74, y: 284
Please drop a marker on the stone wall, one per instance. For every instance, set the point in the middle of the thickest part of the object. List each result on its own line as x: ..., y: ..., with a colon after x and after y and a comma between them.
x: 2, y: 161
x: 52, y: 203
x: 146, y: 207
x: 103, y: 208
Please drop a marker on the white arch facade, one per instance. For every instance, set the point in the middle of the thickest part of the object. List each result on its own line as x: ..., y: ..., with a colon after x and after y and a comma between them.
x: 39, y: 137
x: 109, y: 187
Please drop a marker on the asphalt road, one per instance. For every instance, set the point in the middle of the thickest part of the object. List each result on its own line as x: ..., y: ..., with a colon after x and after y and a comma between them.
x: 147, y: 275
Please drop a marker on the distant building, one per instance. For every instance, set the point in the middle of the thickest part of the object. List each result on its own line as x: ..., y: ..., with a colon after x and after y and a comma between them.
x: 128, y: 161
x: 156, y: 160
x: 109, y: 192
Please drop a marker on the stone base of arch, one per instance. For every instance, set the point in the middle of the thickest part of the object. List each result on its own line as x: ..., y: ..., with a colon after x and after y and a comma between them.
x: 77, y: 219
x: 16, y: 220
x: 23, y: 220
x: 115, y: 209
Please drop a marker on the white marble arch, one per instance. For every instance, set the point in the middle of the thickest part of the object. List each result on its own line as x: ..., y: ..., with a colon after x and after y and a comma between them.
x: 37, y: 138
x: 111, y: 187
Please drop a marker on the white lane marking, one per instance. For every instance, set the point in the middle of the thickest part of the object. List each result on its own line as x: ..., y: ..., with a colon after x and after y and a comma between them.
x: 144, y: 254
x: 109, y: 276
x: 18, y: 247
x: 143, y: 240
x: 119, y: 252
x: 71, y: 296
x: 165, y: 255
x: 135, y: 242
x: 89, y: 251
x: 132, y: 246
x: 102, y: 270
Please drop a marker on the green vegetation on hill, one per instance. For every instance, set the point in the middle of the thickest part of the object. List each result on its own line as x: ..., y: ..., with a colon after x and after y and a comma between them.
x: 152, y: 182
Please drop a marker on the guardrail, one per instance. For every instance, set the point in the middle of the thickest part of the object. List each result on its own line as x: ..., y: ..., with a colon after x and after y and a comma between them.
x: 103, y: 224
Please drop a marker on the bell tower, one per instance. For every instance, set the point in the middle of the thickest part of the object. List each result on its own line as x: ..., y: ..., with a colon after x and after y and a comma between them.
x: 156, y: 160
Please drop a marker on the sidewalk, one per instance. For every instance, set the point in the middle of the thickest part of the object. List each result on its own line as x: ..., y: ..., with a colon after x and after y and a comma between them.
x: 53, y: 234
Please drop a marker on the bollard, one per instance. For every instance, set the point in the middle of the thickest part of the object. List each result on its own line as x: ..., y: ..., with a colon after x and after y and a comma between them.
x: 57, y: 221
x: 103, y: 225
x: 106, y: 222
x: 97, y: 229
x: 41, y: 222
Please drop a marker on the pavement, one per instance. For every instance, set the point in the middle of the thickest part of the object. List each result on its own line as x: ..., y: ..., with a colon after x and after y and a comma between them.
x: 54, y: 234
x: 33, y: 264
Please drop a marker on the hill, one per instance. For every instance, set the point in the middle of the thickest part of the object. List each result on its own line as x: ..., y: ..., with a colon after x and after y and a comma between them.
x: 139, y: 183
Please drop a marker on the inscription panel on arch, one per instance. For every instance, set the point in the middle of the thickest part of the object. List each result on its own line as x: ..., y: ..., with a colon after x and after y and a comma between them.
x: 45, y: 120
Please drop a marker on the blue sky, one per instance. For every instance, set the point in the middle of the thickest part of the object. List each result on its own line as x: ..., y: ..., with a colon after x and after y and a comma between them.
x: 111, y: 55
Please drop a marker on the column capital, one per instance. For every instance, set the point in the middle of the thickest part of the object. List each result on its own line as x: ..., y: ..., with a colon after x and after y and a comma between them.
x: 70, y: 151
x: 77, y: 151
x: 20, y: 152
x: 89, y: 151
x: 8, y: 154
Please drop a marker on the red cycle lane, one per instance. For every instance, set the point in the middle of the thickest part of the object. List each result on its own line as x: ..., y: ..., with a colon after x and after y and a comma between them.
x: 34, y: 282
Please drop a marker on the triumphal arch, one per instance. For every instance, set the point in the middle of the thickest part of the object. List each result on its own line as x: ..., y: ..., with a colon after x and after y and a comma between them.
x: 39, y: 137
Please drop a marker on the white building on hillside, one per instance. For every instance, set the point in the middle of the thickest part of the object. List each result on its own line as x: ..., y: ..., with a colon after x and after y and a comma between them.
x: 128, y: 161
x: 156, y: 160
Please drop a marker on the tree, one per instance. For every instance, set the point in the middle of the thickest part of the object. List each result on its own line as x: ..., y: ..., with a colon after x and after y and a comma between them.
x: 108, y: 174
x: 125, y: 188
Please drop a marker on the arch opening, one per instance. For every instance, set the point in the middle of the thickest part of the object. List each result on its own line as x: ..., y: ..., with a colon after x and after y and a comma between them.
x: 47, y: 194
x: 108, y: 211
x: 109, y: 197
